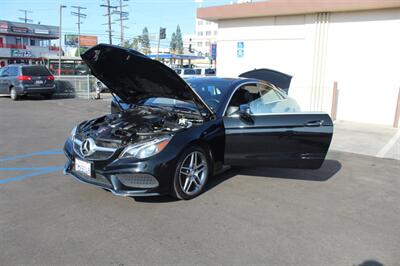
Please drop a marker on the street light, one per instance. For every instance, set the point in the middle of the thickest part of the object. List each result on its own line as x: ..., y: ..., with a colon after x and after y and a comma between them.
x: 59, y: 41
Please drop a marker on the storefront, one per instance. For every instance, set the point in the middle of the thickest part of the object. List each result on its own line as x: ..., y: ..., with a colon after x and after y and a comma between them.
x: 24, y: 43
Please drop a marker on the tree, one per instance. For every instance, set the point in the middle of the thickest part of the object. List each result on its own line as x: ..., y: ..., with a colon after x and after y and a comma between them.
x: 137, y: 43
x: 81, y: 51
x: 145, y: 41
x: 127, y: 44
x: 172, y: 44
x: 179, y: 41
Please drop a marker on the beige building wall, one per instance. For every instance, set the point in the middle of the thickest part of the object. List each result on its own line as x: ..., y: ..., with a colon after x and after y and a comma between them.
x: 359, y: 50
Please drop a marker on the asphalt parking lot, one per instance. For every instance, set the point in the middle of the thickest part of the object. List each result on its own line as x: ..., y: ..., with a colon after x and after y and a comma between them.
x: 346, y: 213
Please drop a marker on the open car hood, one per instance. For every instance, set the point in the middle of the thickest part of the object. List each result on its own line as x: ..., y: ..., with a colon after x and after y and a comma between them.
x: 132, y: 76
x: 277, y: 78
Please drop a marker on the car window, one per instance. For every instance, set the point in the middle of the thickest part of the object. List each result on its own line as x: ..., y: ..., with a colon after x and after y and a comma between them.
x: 272, y: 101
x: 4, y: 71
x: 189, y: 72
x: 13, y: 71
x: 210, y: 72
x: 178, y: 71
x: 262, y: 99
x: 244, y: 95
x: 35, y: 71
x: 198, y: 71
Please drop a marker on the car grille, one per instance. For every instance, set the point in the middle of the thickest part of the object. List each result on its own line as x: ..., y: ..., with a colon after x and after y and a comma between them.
x: 103, y: 153
x: 138, y: 180
x: 99, y: 179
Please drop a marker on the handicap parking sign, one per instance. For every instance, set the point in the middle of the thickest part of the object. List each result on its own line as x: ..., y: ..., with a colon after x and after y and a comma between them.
x: 240, y: 49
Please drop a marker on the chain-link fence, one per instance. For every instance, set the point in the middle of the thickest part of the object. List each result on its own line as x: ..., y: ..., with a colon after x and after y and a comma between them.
x: 75, y: 86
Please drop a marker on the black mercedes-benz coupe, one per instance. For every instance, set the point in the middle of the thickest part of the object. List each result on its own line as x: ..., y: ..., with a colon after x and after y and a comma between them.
x: 169, y: 135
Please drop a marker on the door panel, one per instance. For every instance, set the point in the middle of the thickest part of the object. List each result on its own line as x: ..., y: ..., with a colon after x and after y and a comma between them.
x: 293, y: 140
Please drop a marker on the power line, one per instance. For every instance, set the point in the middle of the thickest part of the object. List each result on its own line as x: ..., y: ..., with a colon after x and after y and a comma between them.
x: 25, y: 18
x: 109, y: 7
x: 79, y: 15
x: 123, y: 15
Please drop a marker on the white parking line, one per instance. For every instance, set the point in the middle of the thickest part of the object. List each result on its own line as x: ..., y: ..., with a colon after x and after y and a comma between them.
x: 389, y: 145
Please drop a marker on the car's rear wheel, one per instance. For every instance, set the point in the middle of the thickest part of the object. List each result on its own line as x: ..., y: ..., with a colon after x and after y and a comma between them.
x: 191, y: 173
x: 13, y: 94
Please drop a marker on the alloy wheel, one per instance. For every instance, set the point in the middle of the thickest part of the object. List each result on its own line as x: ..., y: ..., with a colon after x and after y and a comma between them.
x: 193, y: 173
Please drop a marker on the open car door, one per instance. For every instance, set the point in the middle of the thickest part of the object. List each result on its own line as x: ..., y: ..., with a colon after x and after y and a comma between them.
x: 279, y: 79
x: 267, y: 129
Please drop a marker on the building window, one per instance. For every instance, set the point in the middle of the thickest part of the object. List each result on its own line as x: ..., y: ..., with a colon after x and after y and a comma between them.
x: 199, y: 22
x: 200, y: 33
x: 215, y: 32
x: 208, y: 33
x: 207, y: 44
x: 208, y: 22
x: 199, y: 44
x: 32, y: 42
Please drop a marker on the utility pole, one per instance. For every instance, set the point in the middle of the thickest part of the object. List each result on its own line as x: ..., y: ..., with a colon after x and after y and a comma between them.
x: 122, y: 16
x: 109, y: 7
x: 79, y: 15
x: 25, y: 18
x: 59, y: 40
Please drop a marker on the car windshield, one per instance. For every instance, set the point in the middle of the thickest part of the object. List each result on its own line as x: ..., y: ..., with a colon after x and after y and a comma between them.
x: 211, y: 91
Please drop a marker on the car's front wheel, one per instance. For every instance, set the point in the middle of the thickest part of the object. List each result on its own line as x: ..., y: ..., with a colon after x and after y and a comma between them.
x: 191, y: 173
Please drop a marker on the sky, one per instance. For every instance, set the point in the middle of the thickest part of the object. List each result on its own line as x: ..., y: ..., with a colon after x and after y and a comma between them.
x: 150, y: 13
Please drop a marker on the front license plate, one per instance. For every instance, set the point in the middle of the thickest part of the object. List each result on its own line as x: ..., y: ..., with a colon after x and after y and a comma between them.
x: 39, y: 82
x: 83, y: 167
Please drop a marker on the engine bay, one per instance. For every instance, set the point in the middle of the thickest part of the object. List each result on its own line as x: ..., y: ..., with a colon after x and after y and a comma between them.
x: 134, y: 125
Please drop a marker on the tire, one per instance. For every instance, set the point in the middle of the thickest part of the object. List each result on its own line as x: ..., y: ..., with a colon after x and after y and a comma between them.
x: 14, y: 94
x: 48, y: 96
x: 189, y: 182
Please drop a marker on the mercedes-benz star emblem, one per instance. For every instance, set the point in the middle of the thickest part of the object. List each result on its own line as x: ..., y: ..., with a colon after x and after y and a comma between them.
x: 87, y: 147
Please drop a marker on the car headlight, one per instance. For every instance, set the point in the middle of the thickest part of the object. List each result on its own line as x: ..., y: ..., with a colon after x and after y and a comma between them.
x: 147, y: 149
x: 73, y: 132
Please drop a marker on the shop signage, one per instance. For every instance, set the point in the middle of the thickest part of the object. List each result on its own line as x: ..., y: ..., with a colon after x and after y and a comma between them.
x: 40, y: 31
x: 84, y: 40
x: 3, y: 26
x: 21, y: 53
x: 19, y: 29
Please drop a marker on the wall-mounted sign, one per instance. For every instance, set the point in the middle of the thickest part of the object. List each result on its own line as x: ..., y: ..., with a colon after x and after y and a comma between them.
x: 19, y: 29
x: 21, y: 53
x: 213, y: 51
x: 240, y: 49
x: 85, y: 41
x: 3, y: 26
x: 40, y: 31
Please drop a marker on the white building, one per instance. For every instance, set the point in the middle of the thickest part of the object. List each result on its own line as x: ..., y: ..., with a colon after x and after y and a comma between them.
x: 354, y: 43
x: 205, y: 35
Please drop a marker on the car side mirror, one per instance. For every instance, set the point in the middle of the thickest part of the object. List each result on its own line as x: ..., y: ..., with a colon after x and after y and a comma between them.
x: 244, y: 111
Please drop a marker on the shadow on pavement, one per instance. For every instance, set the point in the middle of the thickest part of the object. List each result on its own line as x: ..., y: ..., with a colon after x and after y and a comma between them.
x: 327, y: 170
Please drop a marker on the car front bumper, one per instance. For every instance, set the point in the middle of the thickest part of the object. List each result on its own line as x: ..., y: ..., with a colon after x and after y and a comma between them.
x: 135, y: 179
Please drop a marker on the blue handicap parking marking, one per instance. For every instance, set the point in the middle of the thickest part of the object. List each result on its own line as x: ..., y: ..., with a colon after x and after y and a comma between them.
x: 31, y: 171
x: 27, y: 155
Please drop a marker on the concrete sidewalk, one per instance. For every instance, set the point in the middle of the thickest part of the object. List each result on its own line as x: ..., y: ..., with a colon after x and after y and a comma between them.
x: 368, y: 139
